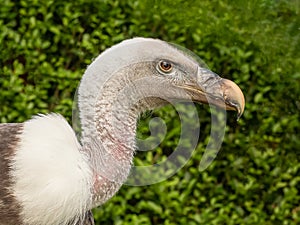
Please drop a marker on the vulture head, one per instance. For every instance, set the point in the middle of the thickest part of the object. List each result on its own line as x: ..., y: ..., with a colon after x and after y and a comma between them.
x: 143, y: 73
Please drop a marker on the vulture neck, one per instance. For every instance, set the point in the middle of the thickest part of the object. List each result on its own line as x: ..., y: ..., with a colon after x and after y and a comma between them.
x: 109, y: 127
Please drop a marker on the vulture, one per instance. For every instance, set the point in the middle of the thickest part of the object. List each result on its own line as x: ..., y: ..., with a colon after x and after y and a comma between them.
x: 49, y: 176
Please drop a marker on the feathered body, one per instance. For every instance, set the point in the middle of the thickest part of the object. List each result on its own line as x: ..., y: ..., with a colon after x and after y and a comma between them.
x: 55, y: 175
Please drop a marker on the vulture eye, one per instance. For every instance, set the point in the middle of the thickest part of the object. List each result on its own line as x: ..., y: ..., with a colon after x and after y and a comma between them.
x: 165, y: 66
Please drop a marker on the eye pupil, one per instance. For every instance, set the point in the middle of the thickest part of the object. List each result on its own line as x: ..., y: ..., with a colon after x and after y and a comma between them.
x: 165, y: 66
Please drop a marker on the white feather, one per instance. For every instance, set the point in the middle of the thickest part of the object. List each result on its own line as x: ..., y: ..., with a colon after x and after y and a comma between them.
x: 52, y: 176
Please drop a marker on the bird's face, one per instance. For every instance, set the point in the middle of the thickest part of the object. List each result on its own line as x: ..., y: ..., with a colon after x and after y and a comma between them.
x: 145, y: 68
x: 178, y: 74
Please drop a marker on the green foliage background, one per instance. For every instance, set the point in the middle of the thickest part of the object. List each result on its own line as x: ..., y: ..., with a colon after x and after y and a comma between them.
x: 45, y: 47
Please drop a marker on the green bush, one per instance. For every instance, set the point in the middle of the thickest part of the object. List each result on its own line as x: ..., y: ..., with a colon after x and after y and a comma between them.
x: 255, y: 179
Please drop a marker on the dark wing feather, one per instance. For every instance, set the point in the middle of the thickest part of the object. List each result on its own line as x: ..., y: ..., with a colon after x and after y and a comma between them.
x: 9, y: 207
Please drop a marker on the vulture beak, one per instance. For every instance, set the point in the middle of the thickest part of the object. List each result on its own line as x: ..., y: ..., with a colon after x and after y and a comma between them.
x: 209, y: 88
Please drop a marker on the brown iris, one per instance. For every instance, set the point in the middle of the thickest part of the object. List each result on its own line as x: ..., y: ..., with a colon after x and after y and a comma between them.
x: 165, y: 66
